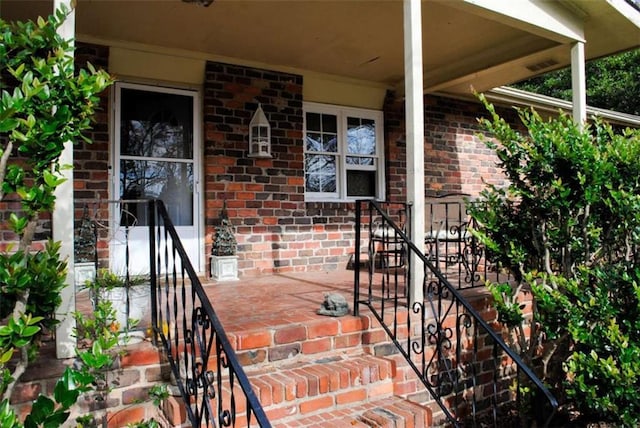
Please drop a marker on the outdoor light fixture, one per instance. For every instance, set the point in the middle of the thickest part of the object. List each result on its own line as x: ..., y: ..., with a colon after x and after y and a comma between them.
x: 204, y: 3
x: 259, y: 135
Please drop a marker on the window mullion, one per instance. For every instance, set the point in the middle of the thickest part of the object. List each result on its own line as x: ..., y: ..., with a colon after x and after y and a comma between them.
x: 342, y: 153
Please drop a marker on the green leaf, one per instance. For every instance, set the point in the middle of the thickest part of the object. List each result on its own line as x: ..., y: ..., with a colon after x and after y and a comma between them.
x: 30, y: 330
x: 66, y: 391
x: 17, y: 135
x: 56, y: 419
x: 40, y: 409
x: 8, y: 124
x: 6, y: 356
x: 31, y: 121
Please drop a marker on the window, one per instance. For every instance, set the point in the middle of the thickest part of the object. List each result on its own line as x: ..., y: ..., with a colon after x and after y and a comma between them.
x: 343, y: 153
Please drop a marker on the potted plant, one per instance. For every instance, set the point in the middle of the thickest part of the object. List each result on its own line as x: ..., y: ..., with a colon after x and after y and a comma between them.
x: 129, y: 297
x: 224, y: 261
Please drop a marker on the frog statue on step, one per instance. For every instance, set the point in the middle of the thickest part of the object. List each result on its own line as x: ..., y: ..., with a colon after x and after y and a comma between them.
x: 334, y: 305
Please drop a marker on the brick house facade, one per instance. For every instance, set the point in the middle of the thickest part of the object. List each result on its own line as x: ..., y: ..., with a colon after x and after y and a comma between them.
x: 276, y: 229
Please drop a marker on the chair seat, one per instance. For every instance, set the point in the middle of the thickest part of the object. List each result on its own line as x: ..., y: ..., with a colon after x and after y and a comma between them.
x: 384, y: 232
x: 447, y: 236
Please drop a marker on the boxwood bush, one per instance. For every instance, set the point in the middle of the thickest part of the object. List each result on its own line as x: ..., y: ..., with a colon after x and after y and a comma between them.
x: 567, y: 228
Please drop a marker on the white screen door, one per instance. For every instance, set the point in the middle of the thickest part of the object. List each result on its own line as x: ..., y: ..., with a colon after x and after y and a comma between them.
x: 156, y: 147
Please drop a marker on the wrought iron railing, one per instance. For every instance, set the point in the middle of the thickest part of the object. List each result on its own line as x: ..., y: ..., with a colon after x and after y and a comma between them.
x: 473, y: 376
x: 210, y: 378
x: 141, y: 239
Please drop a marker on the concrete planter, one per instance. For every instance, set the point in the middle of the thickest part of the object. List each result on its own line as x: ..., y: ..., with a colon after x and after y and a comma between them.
x: 139, y: 302
x: 224, y: 268
x: 83, y: 272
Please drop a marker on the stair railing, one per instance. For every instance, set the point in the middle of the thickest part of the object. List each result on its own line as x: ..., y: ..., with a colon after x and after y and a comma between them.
x: 213, y: 385
x: 468, y: 369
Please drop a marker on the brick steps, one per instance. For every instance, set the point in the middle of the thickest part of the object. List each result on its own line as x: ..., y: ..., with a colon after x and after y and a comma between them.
x: 336, y: 387
x: 305, y: 339
x: 309, y: 339
x: 299, y: 389
x: 389, y: 412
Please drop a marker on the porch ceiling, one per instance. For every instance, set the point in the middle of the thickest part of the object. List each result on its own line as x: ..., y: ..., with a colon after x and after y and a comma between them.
x: 464, y: 43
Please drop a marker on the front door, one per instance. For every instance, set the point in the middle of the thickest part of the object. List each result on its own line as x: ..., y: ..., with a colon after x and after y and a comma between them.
x: 156, y: 157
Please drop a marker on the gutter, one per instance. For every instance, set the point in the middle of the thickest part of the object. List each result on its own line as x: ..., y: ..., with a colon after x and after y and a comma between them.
x: 518, y: 97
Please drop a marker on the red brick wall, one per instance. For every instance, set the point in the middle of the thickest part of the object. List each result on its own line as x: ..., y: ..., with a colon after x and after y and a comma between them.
x: 276, y: 230
x: 456, y: 161
x: 455, y: 158
x: 395, y: 148
x: 91, y: 161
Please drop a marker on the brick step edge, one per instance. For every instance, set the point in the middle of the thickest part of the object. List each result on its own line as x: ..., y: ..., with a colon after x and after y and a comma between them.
x: 387, y: 412
x: 303, y: 388
x: 289, y: 342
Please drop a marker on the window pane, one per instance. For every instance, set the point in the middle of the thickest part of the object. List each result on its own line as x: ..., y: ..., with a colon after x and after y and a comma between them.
x: 361, y: 136
x: 320, y: 173
x: 361, y: 183
x: 330, y: 143
x: 314, y: 142
x: 170, y: 181
x: 321, y: 142
x: 330, y: 123
x: 313, y: 122
x: 353, y: 160
x: 156, y: 124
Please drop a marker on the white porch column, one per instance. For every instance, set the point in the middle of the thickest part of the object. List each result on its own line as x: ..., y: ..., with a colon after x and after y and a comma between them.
x: 62, y: 225
x: 579, y: 83
x: 414, y: 105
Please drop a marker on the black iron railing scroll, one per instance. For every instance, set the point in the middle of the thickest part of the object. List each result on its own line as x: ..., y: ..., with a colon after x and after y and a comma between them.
x: 473, y: 376
x: 213, y: 385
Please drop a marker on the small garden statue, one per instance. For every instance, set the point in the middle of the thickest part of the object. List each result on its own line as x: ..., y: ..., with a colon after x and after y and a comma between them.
x: 85, y: 239
x: 334, y: 305
x: 224, y: 262
x: 224, y: 243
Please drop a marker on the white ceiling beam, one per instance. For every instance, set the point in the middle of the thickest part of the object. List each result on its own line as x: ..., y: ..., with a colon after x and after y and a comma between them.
x: 544, y: 18
x: 517, y: 68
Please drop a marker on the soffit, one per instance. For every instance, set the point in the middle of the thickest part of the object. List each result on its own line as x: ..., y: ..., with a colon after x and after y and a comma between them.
x: 347, y: 38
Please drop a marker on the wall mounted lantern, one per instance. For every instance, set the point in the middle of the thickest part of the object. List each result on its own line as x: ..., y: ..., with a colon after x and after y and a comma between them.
x: 259, y: 135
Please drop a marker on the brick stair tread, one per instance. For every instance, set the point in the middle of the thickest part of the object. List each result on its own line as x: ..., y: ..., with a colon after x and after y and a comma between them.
x: 392, y: 412
x: 301, y: 388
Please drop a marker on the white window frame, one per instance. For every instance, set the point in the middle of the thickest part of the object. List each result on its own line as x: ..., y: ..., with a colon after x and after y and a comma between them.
x: 342, y: 113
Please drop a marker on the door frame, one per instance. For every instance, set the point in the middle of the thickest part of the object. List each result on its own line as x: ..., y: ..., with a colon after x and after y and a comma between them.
x: 198, y: 148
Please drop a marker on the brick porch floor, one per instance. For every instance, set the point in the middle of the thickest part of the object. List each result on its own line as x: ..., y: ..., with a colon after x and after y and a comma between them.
x: 278, y: 299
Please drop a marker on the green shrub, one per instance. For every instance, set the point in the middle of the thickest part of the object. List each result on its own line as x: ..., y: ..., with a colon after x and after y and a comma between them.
x: 567, y: 228
x: 44, y: 103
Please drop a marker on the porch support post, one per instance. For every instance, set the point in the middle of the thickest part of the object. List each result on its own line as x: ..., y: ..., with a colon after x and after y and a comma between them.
x: 414, y: 106
x: 579, y: 83
x: 62, y: 224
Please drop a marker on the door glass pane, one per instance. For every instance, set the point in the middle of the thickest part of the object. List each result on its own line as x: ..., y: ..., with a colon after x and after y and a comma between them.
x: 170, y: 181
x: 154, y: 124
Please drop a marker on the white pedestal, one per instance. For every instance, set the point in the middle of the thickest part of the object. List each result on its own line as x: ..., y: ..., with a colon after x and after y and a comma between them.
x: 83, y: 272
x: 224, y: 268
